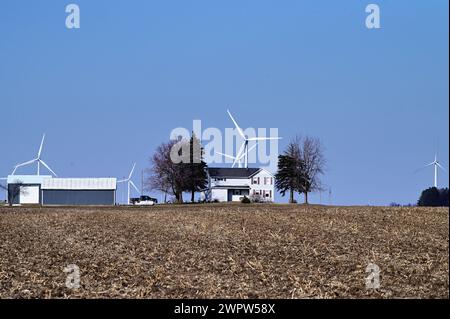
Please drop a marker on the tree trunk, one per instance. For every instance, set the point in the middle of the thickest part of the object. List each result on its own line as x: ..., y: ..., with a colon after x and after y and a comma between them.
x: 291, y: 196
x: 306, y: 197
x: 180, y: 197
x: 192, y: 196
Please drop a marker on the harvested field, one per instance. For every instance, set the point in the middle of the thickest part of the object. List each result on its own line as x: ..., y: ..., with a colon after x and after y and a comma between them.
x: 224, y: 251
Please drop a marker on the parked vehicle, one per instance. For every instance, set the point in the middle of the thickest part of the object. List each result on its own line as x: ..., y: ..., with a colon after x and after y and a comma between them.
x: 143, y: 201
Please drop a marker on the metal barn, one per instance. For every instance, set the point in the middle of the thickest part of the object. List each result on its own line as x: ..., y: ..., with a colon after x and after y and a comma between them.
x: 79, y: 191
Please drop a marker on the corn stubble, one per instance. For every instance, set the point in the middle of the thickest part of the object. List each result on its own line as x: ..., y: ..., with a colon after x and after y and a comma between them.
x: 224, y: 251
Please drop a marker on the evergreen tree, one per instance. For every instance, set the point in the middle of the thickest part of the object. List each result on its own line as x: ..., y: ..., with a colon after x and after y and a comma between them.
x: 288, y: 176
x: 197, y: 179
x: 433, y: 197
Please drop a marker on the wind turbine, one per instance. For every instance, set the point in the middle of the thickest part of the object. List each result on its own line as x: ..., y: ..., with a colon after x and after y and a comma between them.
x: 37, y: 160
x: 436, y: 165
x: 239, y: 160
x: 244, y: 150
x: 130, y: 182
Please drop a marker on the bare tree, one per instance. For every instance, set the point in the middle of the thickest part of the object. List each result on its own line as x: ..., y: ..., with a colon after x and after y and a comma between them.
x: 165, y: 174
x: 313, y: 165
x: 157, y: 182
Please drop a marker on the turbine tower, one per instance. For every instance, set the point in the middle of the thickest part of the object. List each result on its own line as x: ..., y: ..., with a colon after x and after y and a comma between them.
x: 436, y: 165
x: 37, y: 160
x: 130, y: 182
x: 244, y: 150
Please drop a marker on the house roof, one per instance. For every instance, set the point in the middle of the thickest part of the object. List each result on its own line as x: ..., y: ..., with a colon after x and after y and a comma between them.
x: 220, y: 172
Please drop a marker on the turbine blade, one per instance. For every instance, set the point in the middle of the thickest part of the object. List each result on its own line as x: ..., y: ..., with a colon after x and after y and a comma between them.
x: 134, y: 186
x: 241, y: 133
x: 441, y: 167
x: 43, y: 163
x: 253, y: 147
x: 423, y: 167
x: 132, y: 171
x: 239, y: 154
x: 226, y: 155
x: 24, y: 164
x: 249, y: 150
x: 264, y: 138
x: 122, y: 181
x: 40, y: 148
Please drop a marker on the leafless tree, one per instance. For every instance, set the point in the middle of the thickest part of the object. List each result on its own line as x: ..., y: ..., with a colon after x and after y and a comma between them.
x: 165, y: 174
x: 313, y: 165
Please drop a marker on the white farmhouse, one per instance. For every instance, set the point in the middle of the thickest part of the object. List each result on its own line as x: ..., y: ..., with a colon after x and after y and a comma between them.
x: 232, y: 184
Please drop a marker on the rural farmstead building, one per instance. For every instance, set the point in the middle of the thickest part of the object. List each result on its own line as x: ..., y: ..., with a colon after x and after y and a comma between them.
x: 79, y: 191
x: 46, y: 190
x: 232, y: 184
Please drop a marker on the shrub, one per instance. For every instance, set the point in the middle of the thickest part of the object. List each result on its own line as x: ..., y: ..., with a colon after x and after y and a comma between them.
x: 246, y: 200
x: 256, y: 198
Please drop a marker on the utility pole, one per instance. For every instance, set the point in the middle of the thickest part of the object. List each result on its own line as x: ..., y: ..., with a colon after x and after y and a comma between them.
x: 142, y: 183
x: 123, y: 193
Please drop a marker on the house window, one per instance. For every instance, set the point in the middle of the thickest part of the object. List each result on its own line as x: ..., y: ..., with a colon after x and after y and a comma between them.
x: 220, y: 179
x: 256, y: 180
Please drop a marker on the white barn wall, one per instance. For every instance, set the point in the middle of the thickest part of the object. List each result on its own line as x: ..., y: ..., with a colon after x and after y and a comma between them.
x: 29, y: 194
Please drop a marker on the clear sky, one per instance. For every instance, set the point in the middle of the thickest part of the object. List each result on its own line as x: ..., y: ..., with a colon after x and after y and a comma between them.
x: 108, y: 93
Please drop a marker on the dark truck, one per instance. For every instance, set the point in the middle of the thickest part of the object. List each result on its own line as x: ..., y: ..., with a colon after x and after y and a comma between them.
x: 143, y: 201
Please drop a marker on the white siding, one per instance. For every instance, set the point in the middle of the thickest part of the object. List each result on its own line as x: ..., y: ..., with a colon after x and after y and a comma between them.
x: 29, y: 194
x: 262, y: 188
x: 219, y: 194
x: 231, y: 181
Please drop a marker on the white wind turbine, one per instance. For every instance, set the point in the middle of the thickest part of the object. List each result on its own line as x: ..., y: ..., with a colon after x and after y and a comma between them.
x: 436, y: 165
x: 244, y: 150
x: 130, y: 182
x: 37, y: 160
x: 239, y: 160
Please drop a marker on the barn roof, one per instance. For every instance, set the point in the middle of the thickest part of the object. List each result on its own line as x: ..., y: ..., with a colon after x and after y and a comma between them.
x: 79, y: 184
x: 27, y: 179
x: 220, y: 172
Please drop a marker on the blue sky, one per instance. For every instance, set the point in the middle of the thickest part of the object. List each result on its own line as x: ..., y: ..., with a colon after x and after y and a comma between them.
x: 109, y: 93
